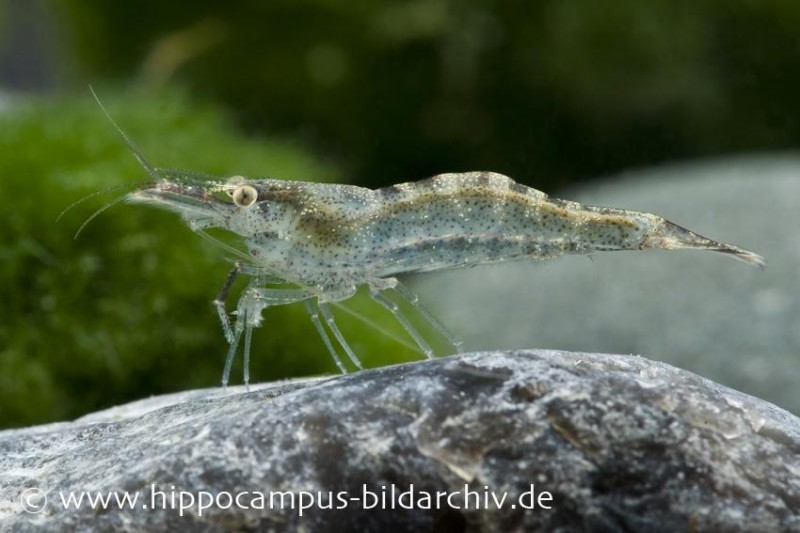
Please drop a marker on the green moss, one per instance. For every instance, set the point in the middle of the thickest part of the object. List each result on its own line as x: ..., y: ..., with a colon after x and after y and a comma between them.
x: 124, y: 311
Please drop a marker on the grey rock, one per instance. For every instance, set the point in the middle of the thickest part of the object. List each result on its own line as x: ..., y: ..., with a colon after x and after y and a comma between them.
x: 700, y: 311
x: 620, y: 442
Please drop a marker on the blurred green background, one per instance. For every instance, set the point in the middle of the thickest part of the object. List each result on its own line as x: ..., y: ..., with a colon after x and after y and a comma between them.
x: 370, y: 93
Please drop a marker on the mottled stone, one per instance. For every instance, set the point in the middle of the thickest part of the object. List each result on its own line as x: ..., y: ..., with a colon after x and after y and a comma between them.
x: 621, y: 443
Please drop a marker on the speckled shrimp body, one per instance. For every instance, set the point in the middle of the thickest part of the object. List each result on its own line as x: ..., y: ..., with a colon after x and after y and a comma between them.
x: 317, y: 243
x: 327, y: 240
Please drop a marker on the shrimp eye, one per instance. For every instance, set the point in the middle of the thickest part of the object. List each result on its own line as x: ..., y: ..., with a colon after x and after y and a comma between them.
x: 245, y: 196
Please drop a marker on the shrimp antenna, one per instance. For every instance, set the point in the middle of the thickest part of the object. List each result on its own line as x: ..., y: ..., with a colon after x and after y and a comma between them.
x: 139, y: 157
x: 104, y: 190
x: 94, y: 215
x: 131, y: 145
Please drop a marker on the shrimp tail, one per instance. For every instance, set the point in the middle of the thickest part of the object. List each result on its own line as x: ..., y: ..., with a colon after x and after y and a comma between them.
x: 666, y: 235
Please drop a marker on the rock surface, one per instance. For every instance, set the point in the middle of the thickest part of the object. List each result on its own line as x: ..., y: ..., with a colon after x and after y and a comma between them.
x: 700, y: 311
x: 621, y: 443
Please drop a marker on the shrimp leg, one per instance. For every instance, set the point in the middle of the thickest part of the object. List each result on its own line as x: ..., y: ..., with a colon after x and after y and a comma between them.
x: 314, y: 315
x: 219, y: 303
x: 326, y: 314
x: 248, y: 316
x: 409, y: 296
x: 400, y: 317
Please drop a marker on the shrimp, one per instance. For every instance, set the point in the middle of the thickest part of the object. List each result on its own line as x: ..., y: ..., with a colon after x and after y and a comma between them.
x: 318, y: 243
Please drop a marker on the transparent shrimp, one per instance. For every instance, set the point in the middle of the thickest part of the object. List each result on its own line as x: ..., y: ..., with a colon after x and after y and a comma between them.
x: 317, y: 243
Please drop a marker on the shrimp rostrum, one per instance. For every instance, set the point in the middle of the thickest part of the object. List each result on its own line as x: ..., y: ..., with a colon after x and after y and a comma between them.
x: 327, y: 240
